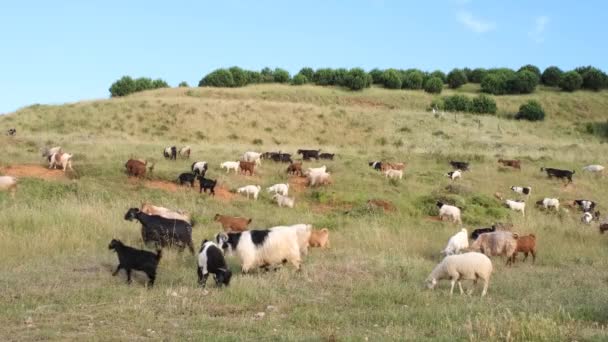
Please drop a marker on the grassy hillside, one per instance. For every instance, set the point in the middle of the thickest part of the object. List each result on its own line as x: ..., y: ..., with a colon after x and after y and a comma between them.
x: 56, y: 268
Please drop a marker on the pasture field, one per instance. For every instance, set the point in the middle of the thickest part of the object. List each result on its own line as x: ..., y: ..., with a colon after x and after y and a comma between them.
x: 55, y: 274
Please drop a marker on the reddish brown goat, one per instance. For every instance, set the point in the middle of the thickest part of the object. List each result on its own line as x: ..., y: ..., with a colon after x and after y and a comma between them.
x: 516, y: 164
x: 232, y: 224
x: 247, y: 166
x: 525, y: 244
x: 135, y: 168
x: 295, y: 168
x: 603, y: 227
x: 392, y: 166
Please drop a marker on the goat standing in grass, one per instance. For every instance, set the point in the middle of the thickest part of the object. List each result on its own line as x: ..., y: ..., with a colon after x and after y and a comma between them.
x: 130, y: 259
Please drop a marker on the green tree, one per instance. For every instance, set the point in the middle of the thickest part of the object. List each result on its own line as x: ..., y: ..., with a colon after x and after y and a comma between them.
x: 433, y: 85
x: 391, y: 79
x: 183, y: 84
x: 267, y: 75
x: 532, y: 68
x: 239, y: 76
x: 143, y: 83
x: 413, y: 79
x: 438, y: 73
x: 281, y: 75
x: 357, y: 79
x: 483, y: 104
x: 376, y: 75
x: 477, y: 75
x: 551, y: 76
x: 308, y: 73
x: 217, y: 78
x: 324, y: 77
x: 299, y: 79
x: 531, y: 111
x: 124, y: 86
x: 571, y: 81
x: 456, y: 78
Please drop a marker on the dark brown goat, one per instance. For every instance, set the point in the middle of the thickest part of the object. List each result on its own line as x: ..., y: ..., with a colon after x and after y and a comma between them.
x: 247, y: 166
x: 514, y: 163
x: 136, y: 168
x: 295, y: 168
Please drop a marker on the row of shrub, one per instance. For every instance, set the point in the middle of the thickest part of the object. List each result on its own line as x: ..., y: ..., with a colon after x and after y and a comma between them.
x: 483, y: 104
x: 127, y: 85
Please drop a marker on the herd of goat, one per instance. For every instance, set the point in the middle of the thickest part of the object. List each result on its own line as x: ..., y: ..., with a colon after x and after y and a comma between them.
x: 267, y: 248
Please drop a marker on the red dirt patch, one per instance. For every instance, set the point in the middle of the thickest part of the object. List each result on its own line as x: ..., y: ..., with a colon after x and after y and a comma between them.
x: 378, y: 203
x: 33, y: 171
x: 221, y: 193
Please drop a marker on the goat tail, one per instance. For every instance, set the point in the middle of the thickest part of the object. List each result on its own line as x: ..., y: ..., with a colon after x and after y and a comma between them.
x: 159, y: 254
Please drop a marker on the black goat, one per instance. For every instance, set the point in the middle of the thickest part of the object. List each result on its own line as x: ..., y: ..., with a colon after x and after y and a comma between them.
x: 162, y: 230
x: 187, y: 177
x: 211, y: 260
x: 170, y: 153
x: 329, y: 156
x: 207, y: 184
x: 459, y: 165
x: 557, y: 173
x: 130, y: 258
x: 475, y: 234
x: 309, y: 154
x: 281, y: 157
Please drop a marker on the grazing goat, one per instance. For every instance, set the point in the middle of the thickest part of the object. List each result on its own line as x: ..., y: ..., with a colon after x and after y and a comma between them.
x: 253, y: 190
x: 309, y: 154
x: 130, y: 259
x: 391, y: 166
x: 454, y: 174
x: 230, y: 223
x: 184, y: 152
x: 162, y: 230
x: 467, y: 266
x: 594, y: 168
x: 391, y: 173
x: 557, y: 173
x: 280, y: 188
x: 315, y: 170
x: 549, y: 203
x: 450, y: 212
x: 186, y: 178
x: 585, y: 205
x: 8, y: 183
x: 246, y: 166
x: 280, y: 157
x: 376, y: 165
x: 284, y: 201
x: 603, y: 227
x: 137, y: 168
x: 151, y: 209
x: 252, y: 157
x: 524, y: 190
x: 199, y: 168
x: 329, y: 156
x: 459, y: 165
x: 319, y: 238
x: 206, y: 184
x: 516, y: 206
x: 11, y: 132
x: 457, y: 243
x: 63, y: 159
x: 475, y: 234
x: 303, y: 232
x: 587, y: 218
x: 230, y: 165
x: 319, y: 178
x: 295, y: 168
x: 525, y: 244
x: 496, y: 243
x: 170, y: 153
x: 48, y: 152
x: 211, y: 260
x: 262, y: 248
x: 516, y: 164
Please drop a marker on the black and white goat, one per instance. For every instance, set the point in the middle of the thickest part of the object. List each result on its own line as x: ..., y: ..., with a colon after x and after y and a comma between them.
x: 199, y: 168
x: 162, y: 231
x: 130, y: 259
x: 211, y: 260
x: 585, y: 205
x: 524, y: 190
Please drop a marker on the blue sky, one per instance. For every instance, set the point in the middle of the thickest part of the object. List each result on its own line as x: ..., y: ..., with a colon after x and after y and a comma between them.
x: 62, y: 51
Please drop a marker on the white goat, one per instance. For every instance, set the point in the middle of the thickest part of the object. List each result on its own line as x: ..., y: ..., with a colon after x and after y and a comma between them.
x: 280, y: 188
x: 449, y: 211
x: 516, y: 206
x: 250, y: 190
x: 593, y: 168
x: 284, y: 201
x: 230, y: 165
x: 63, y: 159
x: 457, y: 242
x: 8, y: 183
x: 549, y: 203
x: 391, y: 173
x: 303, y: 232
x: 252, y: 157
x: 319, y: 178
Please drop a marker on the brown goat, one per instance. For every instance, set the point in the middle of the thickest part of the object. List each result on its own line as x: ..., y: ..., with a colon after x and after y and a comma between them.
x: 295, y: 168
x: 525, y: 244
x: 319, y: 238
x: 247, y: 166
x: 136, y: 168
x: 392, y: 166
x: 516, y: 164
x: 603, y: 227
x: 232, y: 224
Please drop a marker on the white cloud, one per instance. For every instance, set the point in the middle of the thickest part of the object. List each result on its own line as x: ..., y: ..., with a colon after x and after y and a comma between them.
x: 540, y: 25
x: 474, y: 24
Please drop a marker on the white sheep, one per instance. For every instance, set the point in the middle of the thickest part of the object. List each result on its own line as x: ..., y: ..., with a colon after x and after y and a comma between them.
x: 391, y: 173
x: 549, y: 203
x: 457, y: 243
x: 516, y: 206
x: 8, y: 183
x: 449, y: 211
x: 303, y: 232
x: 250, y: 190
x: 319, y: 178
x: 467, y: 266
x: 252, y: 157
x: 454, y: 174
x: 284, y: 201
x: 63, y: 159
x: 280, y: 188
x: 593, y: 168
x: 256, y: 248
x: 230, y: 165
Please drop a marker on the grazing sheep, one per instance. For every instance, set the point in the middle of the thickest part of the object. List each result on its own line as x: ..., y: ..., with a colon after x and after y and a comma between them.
x: 319, y: 238
x: 549, y: 203
x: 284, y: 201
x: 186, y: 178
x: 252, y: 157
x: 309, y: 154
x: 525, y: 244
x: 256, y: 248
x: 246, y: 166
x: 594, y: 168
x: 475, y: 234
x: 516, y: 164
x: 170, y: 153
x: 457, y: 243
x: 392, y: 174
x: 211, y: 260
x: 280, y: 188
x: 8, y: 183
x: 585, y: 205
x: 151, y: 209
x: 206, y: 184
x: 184, y: 152
x: 459, y: 165
x: 303, y: 232
x: 230, y: 165
x: 516, y: 206
x: 63, y: 159
x: 450, y: 212
x: 496, y: 243
x: 329, y: 156
x: 230, y: 223
x: 130, y: 259
x: 162, y: 230
x: 295, y: 168
x: 199, y: 168
x: 136, y: 167
x: 454, y: 174
x: 253, y: 190
x: 557, y: 173
x: 319, y: 178
x: 524, y: 190
x: 467, y: 266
